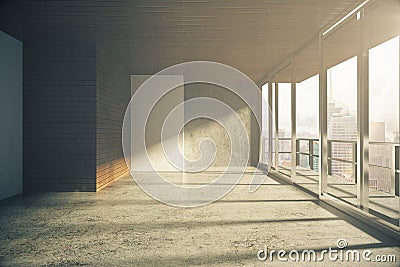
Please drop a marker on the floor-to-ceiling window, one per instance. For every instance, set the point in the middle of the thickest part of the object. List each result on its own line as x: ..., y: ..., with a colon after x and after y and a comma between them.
x: 361, y: 63
x: 267, y: 145
x: 382, y: 36
x: 350, y: 112
x: 284, y: 127
x: 342, y: 130
x: 383, y: 126
x: 307, y: 121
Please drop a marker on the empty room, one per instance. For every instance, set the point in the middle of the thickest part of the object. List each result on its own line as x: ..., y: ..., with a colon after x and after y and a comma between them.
x: 199, y: 133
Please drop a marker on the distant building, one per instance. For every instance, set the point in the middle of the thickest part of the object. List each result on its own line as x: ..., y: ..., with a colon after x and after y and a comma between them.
x: 377, y: 132
x: 380, y: 158
x: 342, y: 125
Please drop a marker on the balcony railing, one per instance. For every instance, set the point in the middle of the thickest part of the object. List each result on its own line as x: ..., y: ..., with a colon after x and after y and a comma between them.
x: 310, y: 152
x: 345, y: 152
x: 392, y: 162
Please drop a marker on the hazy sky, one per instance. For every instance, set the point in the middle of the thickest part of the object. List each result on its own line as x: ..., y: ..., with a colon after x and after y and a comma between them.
x: 307, y: 103
x: 342, y: 83
x: 383, y: 83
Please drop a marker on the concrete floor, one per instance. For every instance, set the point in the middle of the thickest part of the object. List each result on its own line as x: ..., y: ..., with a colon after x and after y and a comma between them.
x: 122, y: 226
x: 381, y: 202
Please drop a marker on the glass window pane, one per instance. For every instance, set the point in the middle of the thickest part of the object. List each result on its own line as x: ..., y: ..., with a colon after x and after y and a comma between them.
x: 307, y: 113
x: 340, y: 60
x: 384, y: 127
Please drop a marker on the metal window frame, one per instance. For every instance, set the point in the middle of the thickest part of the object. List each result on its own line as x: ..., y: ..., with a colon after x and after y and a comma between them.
x: 293, y: 109
x: 323, y: 122
x: 362, y: 116
x: 270, y: 124
x: 276, y: 126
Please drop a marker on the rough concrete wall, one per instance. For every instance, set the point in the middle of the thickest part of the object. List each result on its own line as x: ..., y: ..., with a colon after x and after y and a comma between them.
x: 199, y: 129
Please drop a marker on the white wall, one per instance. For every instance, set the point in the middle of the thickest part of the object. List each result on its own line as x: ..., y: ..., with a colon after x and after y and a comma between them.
x: 155, y: 122
x: 10, y: 116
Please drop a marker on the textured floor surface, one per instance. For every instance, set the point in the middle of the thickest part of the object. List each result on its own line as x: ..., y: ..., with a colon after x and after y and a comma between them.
x: 122, y: 226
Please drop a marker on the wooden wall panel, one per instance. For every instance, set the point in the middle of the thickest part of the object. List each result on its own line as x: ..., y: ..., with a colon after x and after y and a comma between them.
x: 75, y: 98
x: 59, y: 113
x: 112, y: 98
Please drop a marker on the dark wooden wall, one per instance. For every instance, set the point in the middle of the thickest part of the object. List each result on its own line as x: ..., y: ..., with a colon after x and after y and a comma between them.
x: 74, y: 102
x: 112, y: 98
x: 59, y: 116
